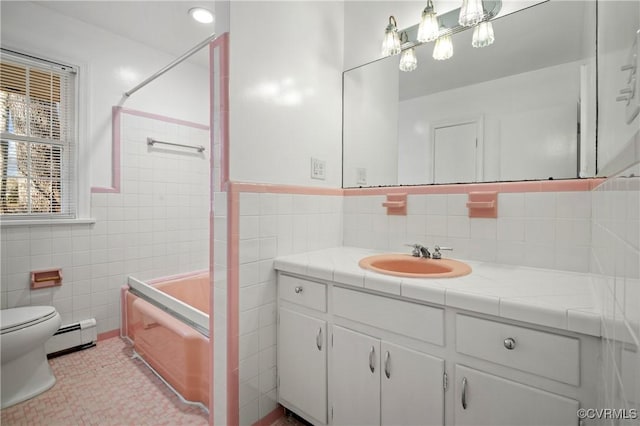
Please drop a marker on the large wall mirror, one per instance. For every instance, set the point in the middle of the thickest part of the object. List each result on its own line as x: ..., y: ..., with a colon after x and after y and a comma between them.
x: 523, y: 108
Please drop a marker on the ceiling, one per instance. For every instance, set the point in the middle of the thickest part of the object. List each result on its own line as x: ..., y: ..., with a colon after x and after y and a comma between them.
x: 163, y: 25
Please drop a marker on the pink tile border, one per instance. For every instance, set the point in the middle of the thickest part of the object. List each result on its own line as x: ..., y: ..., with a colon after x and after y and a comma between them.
x: 501, y: 187
x: 164, y: 118
x: 222, y: 44
x: 116, y: 142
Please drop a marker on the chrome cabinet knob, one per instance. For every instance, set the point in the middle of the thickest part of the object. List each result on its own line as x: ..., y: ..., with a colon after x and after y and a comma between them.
x: 298, y: 289
x: 509, y: 343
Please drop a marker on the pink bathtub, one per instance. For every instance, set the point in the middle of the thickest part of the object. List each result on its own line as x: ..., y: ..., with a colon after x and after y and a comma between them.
x: 176, y: 351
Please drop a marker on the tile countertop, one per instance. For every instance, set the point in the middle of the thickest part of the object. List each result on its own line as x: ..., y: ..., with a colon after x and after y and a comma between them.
x: 557, y: 299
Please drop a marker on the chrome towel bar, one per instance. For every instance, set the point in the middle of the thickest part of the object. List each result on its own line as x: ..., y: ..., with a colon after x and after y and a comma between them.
x: 151, y: 142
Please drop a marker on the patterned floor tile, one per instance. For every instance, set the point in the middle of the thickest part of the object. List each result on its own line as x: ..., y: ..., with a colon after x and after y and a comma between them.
x: 104, y: 386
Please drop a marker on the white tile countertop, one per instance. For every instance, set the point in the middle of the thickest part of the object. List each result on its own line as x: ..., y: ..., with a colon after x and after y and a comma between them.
x: 558, y: 299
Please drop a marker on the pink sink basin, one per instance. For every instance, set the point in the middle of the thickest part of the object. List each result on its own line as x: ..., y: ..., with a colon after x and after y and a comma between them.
x: 404, y: 265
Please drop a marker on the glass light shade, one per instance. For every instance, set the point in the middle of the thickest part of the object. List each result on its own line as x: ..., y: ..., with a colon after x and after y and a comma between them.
x: 391, y: 42
x: 471, y: 12
x: 429, y: 29
x: 408, y: 60
x: 443, y: 48
x: 483, y: 34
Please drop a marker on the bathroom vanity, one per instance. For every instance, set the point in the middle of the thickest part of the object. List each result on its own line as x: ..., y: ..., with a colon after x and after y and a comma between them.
x: 501, y: 346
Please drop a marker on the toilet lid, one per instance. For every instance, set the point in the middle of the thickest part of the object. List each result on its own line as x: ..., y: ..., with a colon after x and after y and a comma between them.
x: 15, y: 318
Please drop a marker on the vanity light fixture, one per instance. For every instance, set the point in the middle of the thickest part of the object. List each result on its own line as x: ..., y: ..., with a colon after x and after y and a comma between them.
x: 443, y: 49
x: 202, y: 15
x: 391, y: 42
x: 471, y: 12
x: 441, y: 28
x: 408, y: 60
x: 429, y: 28
x: 483, y: 34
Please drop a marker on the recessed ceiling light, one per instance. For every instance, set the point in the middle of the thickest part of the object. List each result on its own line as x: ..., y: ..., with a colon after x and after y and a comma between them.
x: 201, y: 15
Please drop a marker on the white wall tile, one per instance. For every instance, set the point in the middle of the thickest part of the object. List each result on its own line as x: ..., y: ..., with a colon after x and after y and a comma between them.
x: 540, y: 204
x: 510, y: 229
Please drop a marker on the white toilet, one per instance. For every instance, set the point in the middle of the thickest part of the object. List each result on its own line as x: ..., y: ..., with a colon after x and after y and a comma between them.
x: 25, y: 370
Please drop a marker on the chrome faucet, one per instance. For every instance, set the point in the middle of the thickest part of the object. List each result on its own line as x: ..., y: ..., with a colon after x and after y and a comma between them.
x: 419, y: 251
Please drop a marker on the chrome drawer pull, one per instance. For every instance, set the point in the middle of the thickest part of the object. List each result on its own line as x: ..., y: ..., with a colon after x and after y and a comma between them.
x: 372, y: 354
x: 319, y: 339
x: 509, y: 343
x: 298, y: 289
x: 464, y: 393
x: 387, y: 365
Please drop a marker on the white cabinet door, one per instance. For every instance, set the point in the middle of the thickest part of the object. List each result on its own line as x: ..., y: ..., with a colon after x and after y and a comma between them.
x: 412, y: 387
x: 302, y: 363
x: 355, y: 378
x: 485, y: 399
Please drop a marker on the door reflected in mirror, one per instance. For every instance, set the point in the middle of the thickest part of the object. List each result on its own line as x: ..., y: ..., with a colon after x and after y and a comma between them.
x: 523, y: 108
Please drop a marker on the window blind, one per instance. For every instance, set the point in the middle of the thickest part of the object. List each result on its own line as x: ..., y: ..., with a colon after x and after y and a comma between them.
x: 38, y: 141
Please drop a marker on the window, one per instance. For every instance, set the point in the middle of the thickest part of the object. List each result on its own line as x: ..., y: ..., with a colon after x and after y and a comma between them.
x: 37, y: 147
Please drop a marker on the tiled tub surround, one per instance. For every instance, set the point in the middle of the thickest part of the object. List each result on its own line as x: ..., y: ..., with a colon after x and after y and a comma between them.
x: 270, y: 224
x: 616, y: 272
x: 539, y: 224
x: 156, y: 226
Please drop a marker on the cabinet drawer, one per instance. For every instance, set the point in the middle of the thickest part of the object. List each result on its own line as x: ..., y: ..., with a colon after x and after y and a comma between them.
x: 544, y: 354
x: 306, y: 293
x: 406, y: 318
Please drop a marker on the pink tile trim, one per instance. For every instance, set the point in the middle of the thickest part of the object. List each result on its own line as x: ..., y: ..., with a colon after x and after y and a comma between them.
x: 108, y: 335
x: 529, y: 186
x: 282, y: 189
x: 222, y: 43
x: 165, y: 119
x: 116, y: 111
x: 233, y: 307
x: 270, y: 418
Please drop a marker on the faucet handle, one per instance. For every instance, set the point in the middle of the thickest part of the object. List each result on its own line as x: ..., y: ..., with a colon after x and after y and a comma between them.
x: 436, y: 251
x: 416, y: 249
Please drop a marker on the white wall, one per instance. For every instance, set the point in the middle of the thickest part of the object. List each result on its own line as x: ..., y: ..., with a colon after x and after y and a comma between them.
x: 286, y: 91
x: 529, y: 125
x: 371, y: 124
x: 110, y: 65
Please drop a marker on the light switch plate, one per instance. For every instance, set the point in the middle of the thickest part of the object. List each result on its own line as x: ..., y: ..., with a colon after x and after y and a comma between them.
x: 361, y: 176
x: 318, y: 169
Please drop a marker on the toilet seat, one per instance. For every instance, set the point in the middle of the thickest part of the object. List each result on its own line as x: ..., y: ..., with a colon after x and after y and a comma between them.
x: 14, y: 319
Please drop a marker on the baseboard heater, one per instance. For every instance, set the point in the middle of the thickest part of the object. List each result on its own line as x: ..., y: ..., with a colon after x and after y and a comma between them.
x: 72, y: 338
